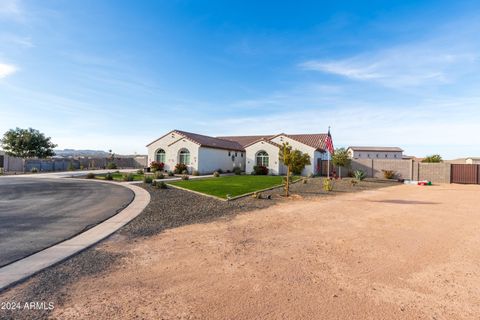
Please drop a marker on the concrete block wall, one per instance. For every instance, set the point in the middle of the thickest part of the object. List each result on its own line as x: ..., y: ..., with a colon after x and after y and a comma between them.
x: 435, y: 172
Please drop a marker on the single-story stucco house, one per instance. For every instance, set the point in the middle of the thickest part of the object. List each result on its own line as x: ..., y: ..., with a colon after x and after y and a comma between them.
x: 207, y: 154
x: 375, y: 153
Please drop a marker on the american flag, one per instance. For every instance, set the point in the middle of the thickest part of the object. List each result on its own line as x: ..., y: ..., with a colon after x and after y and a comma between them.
x: 329, y: 142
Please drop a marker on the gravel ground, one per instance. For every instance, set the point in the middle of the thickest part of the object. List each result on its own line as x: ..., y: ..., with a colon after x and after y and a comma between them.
x: 169, y: 208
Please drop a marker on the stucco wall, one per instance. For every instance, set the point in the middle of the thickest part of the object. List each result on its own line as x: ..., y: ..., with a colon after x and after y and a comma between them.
x: 163, y: 144
x: 172, y: 154
x: 303, y: 148
x: 211, y: 159
x: 386, y: 155
x: 273, y: 161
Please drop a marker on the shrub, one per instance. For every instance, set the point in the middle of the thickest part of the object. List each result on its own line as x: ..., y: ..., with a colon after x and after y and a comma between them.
x: 111, y: 165
x: 185, y: 177
x: 108, y: 176
x: 260, y: 170
x: 139, y: 171
x: 185, y: 172
x: 82, y: 167
x: 389, y: 174
x: 70, y: 167
x: 159, y: 175
x: 154, y: 183
x: 359, y: 175
x: 147, y: 179
x: 170, y: 173
x: 34, y: 170
x: 162, y: 185
x: 216, y: 174
x: 156, y: 166
x: 237, y: 171
x: 304, y: 181
x: 180, y: 167
x: 128, y: 177
x: 353, y: 182
x: 90, y: 175
x: 436, y: 158
x: 220, y: 171
x: 228, y: 171
x: 327, y: 185
x: 195, y: 173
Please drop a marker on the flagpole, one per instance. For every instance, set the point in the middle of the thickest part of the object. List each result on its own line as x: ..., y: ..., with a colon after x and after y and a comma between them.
x: 328, y: 161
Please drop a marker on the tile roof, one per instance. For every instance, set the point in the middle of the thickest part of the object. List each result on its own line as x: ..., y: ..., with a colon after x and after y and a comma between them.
x: 314, y: 140
x: 264, y: 140
x: 381, y: 149
x: 245, y: 140
x: 211, y: 142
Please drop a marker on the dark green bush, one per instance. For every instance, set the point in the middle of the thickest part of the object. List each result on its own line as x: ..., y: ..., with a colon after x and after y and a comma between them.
x: 147, y: 179
x: 90, y: 175
x: 170, y: 173
x: 128, y: 177
x: 216, y: 174
x: 159, y: 175
x: 111, y: 165
x: 162, y: 185
x: 237, y: 171
x: 139, y: 171
x: 108, y: 176
x: 260, y: 170
x: 34, y: 170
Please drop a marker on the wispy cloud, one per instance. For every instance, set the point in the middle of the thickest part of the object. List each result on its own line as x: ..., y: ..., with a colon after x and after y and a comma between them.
x: 403, y: 66
x: 11, y: 9
x: 7, y: 70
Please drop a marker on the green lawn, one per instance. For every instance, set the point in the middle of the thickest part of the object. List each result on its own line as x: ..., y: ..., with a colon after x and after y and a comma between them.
x: 232, y: 185
x: 119, y: 176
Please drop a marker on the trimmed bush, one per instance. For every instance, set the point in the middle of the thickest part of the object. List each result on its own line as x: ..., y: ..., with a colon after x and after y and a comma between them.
x: 220, y: 171
x: 237, y: 171
x: 170, y: 173
x: 159, y: 175
x: 216, y: 174
x: 139, y: 171
x: 154, y: 183
x: 111, y: 165
x: 147, y: 179
x: 128, y: 177
x: 34, y: 170
x: 260, y: 170
x: 359, y: 175
x: 180, y: 168
x: 162, y: 185
x: 108, y: 176
x: 90, y: 175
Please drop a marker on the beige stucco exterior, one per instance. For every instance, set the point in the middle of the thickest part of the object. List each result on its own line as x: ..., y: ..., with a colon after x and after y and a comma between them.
x: 375, y: 154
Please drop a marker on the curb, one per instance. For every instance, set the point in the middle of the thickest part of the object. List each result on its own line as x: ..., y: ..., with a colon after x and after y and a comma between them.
x: 25, y: 268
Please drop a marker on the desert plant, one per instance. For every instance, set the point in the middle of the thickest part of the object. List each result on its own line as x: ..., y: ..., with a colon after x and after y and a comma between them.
x: 237, y: 171
x: 353, y: 182
x: 127, y: 177
x: 216, y: 174
x: 185, y: 177
x: 260, y: 170
x: 139, y: 171
x: 341, y: 158
x: 159, y: 175
x: 111, y: 165
x: 34, y: 170
x: 180, y: 167
x: 156, y: 166
x: 108, y: 176
x: 436, y: 158
x: 195, y: 173
x: 359, y: 175
x: 327, y: 185
x: 162, y: 185
x: 295, y: 161
x: 389, y: 174
x: 90, y: 175
x: 170, y: 173
x: 147, y: 179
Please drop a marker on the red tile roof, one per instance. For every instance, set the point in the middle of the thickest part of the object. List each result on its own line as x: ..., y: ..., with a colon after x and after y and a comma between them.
x: 211, y: 142
x: 245, y: 140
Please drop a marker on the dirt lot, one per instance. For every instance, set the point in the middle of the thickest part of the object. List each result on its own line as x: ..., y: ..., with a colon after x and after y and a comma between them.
x: 403, y: 252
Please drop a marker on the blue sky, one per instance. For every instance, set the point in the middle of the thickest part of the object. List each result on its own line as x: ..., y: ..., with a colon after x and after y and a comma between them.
x: 118, y: 74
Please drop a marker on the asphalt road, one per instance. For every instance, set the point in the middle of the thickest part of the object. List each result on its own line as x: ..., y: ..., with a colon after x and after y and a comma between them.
x: 36, y: 213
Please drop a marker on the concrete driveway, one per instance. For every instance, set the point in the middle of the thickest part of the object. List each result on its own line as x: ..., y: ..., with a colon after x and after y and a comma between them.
x: 36, y: 213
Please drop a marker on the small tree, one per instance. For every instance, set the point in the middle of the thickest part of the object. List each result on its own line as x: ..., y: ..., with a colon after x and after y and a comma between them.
x: 295, y: 161
x: 27, y: 143
x: 340, y: 158
x: 436, y: 158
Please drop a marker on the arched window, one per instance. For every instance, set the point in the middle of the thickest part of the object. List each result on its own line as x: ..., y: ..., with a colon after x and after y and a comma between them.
x: 262, y: 159
x: 160, y: 155
x: 184, y: 157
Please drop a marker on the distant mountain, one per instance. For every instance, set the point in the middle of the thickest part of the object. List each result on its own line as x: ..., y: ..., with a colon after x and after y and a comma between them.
x: 81, y: 153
